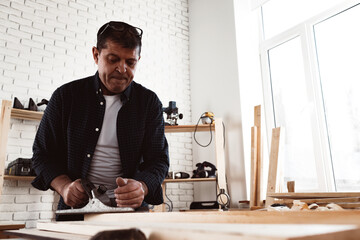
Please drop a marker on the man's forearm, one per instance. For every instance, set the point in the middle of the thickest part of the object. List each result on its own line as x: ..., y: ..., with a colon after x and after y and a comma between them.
x: 59, y: 183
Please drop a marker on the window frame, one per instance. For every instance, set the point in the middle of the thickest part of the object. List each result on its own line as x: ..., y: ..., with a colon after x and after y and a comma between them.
x: 305, y: 31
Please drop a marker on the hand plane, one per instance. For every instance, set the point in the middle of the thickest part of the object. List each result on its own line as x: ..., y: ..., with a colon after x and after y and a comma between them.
x: 99, y: 201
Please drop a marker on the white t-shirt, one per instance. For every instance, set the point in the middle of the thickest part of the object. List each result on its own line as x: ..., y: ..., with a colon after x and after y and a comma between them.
x: 105, y: 165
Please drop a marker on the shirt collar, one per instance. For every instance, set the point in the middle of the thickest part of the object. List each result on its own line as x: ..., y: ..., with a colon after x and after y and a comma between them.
x: 124, y: 96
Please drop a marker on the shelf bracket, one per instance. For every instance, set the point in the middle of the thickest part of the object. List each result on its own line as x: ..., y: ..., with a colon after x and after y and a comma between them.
x: 4, y: 131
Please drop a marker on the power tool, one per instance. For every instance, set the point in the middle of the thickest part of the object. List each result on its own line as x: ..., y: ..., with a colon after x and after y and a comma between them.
x: 99, y: 202
x: 202, y: 170
x: 172, y: 114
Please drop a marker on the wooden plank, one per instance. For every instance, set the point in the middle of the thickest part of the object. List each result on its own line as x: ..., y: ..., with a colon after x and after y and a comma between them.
x: 172, y: 234
x: 26, y: 114
x: 82, y: 228
x: 159, y: 208
x: 273, y: 164
x: 155, y: 235
x: 349, y: 205
x: 11, y: 225
x: 303, y: 195
x: 189, y: 128
x: 319, y: 200
x: 23, y: 178
x: 350, y: 234
x: 4, y: 132
x: 261, y: 217
x: 251, y: 232
x: 244, y: 232
x: 259, y: 167
x: 291, y: 186
x: 190, y: 180
x: 46, y: 235
x: 220, y: 158
x: 163, y: 185
x: 253, y: 173
x: 187, y: 230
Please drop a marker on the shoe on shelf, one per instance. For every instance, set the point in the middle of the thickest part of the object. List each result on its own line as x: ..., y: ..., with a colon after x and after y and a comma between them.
x: 32, y: 105
x: 17, y: 104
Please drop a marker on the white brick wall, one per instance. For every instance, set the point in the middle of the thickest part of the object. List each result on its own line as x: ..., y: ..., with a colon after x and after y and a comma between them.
x: 46, y: 43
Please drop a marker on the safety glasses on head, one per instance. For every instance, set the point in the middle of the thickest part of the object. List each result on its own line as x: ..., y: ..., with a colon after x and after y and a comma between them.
x: 121, y: 27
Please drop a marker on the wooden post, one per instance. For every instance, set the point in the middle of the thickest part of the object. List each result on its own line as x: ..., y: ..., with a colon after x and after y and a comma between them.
x: 163, y: 185
x: 273, y: 164
x: 161, y: 207
x: 291, y: 186
x: 220, y: 156
x: 253, y: 174
x: 259, y: 167
x: 4, y: 131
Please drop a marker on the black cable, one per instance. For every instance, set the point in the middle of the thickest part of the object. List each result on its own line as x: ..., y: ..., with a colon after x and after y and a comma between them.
x: 209, y: 129
x: 168, y: 206
x: 171, y: 204
x: 196, y: 126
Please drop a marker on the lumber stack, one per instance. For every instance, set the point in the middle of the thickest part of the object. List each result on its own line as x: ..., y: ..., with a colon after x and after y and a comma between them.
x: 346, y: 200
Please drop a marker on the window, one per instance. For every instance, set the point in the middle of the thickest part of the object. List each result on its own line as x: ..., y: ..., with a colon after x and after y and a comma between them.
x: 292, y: 113
x: 338, y: 53
x: 279, y: 15
x: 311, y: 77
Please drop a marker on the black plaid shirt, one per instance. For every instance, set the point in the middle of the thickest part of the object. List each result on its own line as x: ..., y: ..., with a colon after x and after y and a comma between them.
x: 67, y: 135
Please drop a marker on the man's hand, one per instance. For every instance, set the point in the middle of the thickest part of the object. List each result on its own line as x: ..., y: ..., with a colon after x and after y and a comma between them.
x: 130, y: 193
x: 73, y: 193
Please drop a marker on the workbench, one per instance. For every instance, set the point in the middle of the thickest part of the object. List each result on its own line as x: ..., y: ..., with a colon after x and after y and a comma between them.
x: 4, y: 226
x: 208, y: 225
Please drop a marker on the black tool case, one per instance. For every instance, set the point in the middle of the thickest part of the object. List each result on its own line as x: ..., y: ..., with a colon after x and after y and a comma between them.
x: 20, y: 167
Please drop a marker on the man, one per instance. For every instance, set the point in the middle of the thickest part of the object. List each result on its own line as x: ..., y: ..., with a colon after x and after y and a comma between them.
x: 105, y: 128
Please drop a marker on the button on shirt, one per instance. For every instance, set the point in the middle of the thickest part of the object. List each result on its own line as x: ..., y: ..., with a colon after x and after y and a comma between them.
x: 66, y: 139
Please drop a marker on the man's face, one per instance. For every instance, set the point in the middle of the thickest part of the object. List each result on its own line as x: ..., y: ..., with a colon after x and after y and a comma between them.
x: 116, y: 66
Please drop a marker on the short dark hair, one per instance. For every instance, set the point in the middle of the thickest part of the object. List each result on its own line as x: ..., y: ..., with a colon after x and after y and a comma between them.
x: 121, y: 33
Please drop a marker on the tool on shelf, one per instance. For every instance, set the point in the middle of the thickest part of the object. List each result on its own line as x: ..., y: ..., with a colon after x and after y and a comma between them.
x: 177, y: 175
x: 204, y: 170
x: 20, y: 167
x: 172, y: 114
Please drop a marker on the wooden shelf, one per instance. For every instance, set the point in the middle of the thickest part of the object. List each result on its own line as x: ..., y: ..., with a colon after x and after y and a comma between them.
x: 188, y: 128
x: 26, y: 114
x: 37, y: 115
x: 10, y: 226
x: 24, y: 178
x: 190, y: 180
x: 30, y: 178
